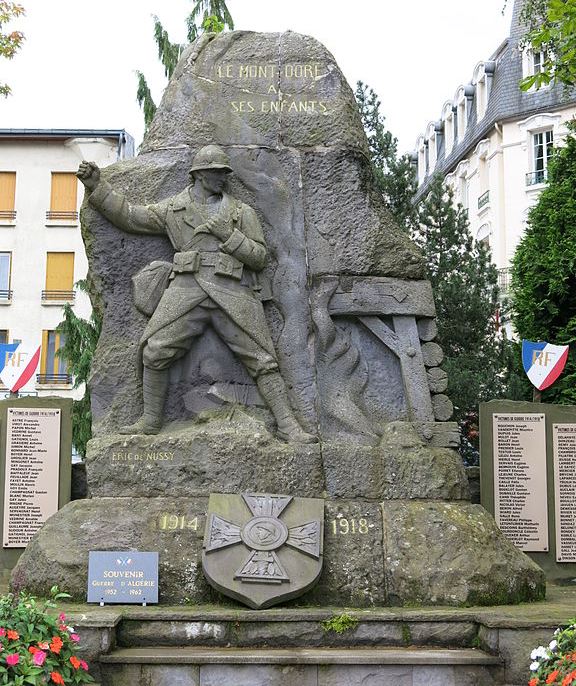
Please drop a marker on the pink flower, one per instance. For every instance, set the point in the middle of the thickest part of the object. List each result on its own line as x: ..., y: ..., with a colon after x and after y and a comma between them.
x: 12, y: 659
x: 74, y: 637
x: 39, y: 658
x: 84, y: 665
x: 2, y: 631
x: 62, y: 617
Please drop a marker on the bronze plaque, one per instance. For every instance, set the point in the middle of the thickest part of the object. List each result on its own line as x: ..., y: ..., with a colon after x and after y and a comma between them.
x: 521, y: 504
x: 32, y: 469
x: 263, y: 549
x: 564, y: 446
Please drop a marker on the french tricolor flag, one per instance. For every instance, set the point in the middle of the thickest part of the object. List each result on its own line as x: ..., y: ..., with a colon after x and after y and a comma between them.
x: 18, y: 362
x: 543, y: 362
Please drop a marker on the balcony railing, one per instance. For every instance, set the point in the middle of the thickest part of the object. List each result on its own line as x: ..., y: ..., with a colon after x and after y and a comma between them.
x: 58, y: 296
x: 534, y: 177
x: 5, y: 295
x: 9, y: 215
x: 53, y: 215
x: 504, y: 279
x: 484, y: 199
x: 54, y: 379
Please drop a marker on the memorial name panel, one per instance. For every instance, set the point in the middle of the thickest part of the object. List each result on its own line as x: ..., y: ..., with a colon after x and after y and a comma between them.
x: 564, y: 443
x: 32, y: 472
x: 520, y: 479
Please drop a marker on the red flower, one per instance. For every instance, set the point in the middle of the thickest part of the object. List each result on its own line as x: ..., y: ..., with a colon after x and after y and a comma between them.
x: 56, y: 644
x: 32, y: 649
x: 39, y: 658
x: 12, y: 635
x: 56, y: 678
x: 75, y: 662
x: 533, y: 682
x: 552, y: 677
x: 12, y: 659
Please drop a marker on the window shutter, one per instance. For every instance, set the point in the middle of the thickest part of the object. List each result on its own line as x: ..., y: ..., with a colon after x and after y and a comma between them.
x: 60, y: 271
x: 7, y: 191
x: 63, y: 196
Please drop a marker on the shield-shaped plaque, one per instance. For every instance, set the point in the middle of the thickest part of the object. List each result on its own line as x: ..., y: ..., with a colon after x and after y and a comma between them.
x: 261, y: 548
x: 543, y: 362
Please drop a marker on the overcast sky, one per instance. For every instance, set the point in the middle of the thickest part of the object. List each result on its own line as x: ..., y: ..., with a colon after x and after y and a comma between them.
x: 76, y: 68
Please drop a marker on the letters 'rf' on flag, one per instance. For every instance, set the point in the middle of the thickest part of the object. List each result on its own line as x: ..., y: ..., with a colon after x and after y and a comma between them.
x: 19, y: 362
x: 543, y: 362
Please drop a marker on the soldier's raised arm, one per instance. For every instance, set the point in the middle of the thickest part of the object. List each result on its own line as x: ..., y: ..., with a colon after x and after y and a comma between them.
x: 147, y: 219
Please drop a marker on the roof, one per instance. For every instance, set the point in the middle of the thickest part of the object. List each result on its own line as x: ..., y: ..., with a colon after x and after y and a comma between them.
x: 506, y: 101
x: 63, y: 133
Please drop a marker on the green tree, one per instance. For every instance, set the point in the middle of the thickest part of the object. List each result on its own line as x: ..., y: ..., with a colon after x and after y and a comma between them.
x: 9, y: 42
x: 464, y: 281
x: 81, y: 337
x: 544, y: 269
x: 550, y: 30
x: 394, y: 176
x: 206, y: 15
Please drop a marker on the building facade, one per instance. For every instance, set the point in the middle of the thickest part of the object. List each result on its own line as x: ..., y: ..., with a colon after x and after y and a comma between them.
x: 492, y: 144
x: 42, y: 254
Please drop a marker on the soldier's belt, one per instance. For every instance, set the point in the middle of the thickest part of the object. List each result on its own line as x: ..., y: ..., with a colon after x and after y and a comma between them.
x: 190, y: 262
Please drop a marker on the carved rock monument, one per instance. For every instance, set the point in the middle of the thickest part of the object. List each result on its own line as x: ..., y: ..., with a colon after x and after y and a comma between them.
x: 297, y: 356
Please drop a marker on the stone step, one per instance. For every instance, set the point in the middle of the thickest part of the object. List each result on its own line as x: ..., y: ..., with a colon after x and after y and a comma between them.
x: 301, y: 656
x: 310, y: 632
x: 187, y: 666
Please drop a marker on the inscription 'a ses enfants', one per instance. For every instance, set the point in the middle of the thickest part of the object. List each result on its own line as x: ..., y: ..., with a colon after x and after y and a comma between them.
x: 275, y: 100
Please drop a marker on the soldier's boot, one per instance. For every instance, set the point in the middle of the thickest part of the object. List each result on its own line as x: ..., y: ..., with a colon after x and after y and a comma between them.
x: 154, y: 388
x: 273, y: 390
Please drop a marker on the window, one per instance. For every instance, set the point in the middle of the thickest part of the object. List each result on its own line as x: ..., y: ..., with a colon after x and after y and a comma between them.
x: 542, y: 147
x: 449, y: 130
x: 3, y: 336
x: 7, y: 195
x: 538, y: 60
x: 59, y: 277
x: 63, y: 197
x: 5, y: 274
x: 53, y: 368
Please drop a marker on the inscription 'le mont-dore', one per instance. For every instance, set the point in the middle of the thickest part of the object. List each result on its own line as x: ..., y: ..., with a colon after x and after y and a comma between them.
x: 280, y: 101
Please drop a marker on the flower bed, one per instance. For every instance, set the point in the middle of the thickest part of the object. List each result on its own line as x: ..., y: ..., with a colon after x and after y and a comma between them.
x: 36, y: 646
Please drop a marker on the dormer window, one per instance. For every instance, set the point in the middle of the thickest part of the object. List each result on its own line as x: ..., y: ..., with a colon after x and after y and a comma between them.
x: 533, y: 63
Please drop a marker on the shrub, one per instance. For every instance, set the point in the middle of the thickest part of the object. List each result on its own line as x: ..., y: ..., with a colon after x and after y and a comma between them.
x: 555, y: 664
x: 36, y: 645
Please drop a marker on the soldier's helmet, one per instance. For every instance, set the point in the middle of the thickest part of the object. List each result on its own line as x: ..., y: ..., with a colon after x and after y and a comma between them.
x: 210, y: 157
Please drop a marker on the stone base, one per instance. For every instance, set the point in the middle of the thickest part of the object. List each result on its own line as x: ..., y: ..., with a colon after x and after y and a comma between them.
x: 398, y: 529
x: 394, y: 553
x: 239, y: 455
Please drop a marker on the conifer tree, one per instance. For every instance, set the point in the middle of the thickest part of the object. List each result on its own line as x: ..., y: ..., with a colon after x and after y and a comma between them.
x: 464, y: 282
x: 544, y: 269
x: 206, y: 15
x: 80, y: 339
x: 394, y: 176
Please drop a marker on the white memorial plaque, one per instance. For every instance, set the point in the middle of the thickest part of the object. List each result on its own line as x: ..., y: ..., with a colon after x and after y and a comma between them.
x: 520, y: 498
x: 564, y: 443
x: 32, y: 472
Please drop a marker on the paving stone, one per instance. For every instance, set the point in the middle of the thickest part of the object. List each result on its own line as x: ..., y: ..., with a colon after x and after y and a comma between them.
x: 258, y: 675
x: 364, y: 675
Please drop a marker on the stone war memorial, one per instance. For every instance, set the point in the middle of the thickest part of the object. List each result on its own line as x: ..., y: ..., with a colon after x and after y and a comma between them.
x: 269, y: 408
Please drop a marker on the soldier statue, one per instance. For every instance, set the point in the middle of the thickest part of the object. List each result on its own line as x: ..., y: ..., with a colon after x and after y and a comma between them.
x: 220, y: 249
